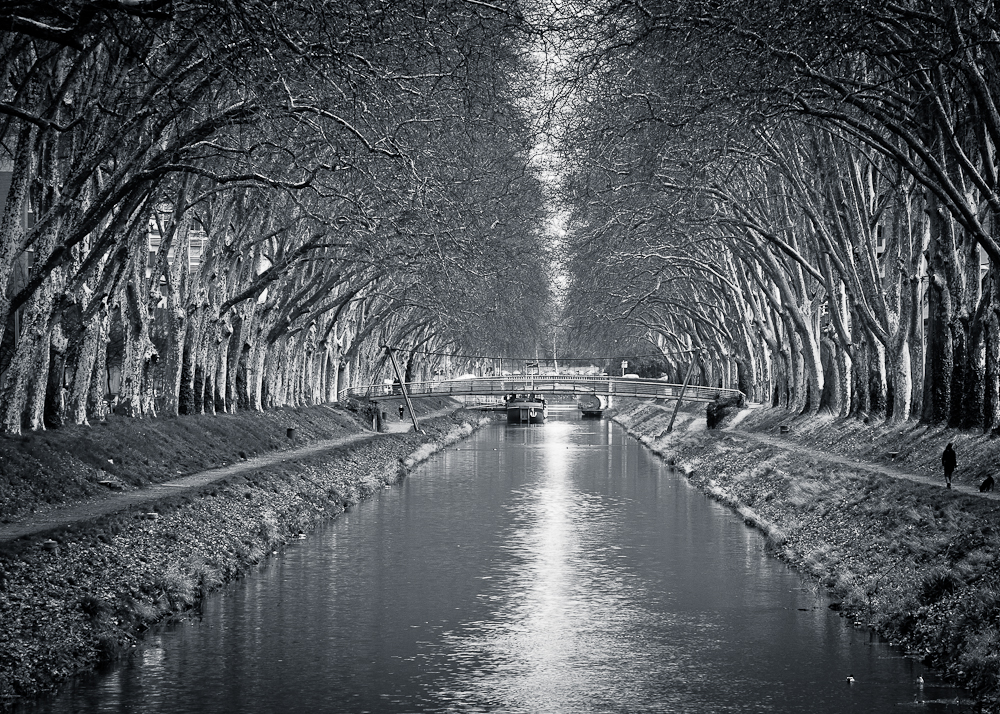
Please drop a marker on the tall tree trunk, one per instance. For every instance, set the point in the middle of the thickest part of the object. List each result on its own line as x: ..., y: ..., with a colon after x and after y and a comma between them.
x: 991, y: 406
x: 29, y: 367
x: 39, y: 379
x: 833, y: 392
x: 798, y: 372
x: 257, y: 376
x: 940, y: 351
x: 174, y: 314
x: 12, y: 228
x: 967, y: 403
x: 56, y: 395
x: 139, y: 348
x: 97, y: 397
x: 917, y: 349
x: 188, y: 395
x: 902, y: 382
x: 83, y: 369
x: 271, y: 376
x: 877, y: 376
x: 323, y: 369
x: 221, y: 379
x: 237, y: 380
x: 862, y: 371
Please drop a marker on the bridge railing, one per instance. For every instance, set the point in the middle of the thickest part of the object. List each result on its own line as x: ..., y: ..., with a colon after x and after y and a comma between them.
x: 547, y: 384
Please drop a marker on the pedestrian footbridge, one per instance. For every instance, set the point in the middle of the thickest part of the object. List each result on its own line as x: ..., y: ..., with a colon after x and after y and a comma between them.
x: 548, y: 384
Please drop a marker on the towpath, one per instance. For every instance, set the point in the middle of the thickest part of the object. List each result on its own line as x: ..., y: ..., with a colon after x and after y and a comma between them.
x: 89, y: 510
x: 850, y: 462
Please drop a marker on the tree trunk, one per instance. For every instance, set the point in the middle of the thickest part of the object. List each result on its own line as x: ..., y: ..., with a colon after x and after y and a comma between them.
x: 256, y: 372
x: 967, y: 390
x: 138, y: 346
x: 12, y: 228
x: 877, y: 376
x: 917, y: 350
x: 833, y: 391
x: 221, y: 380
x: 940, y: 352
x: 902, y: 383
x: 798, y: 395
x: 187, y: 393
x: 991, y: 406
x: 56, y: 396
x: 176, y: 329
x: 271, y: 375
x: 29, y: 368
x: 343, y: 375
x: 237, y: 381
x: 83, y: 369
x: 97, y: 402
x: 39, y: 379
x: 861, y: 405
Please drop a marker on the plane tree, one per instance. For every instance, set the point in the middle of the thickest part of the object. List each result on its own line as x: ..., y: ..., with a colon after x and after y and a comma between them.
x: 916, y: 82
x: 290, y: 158
x: 866, y: 137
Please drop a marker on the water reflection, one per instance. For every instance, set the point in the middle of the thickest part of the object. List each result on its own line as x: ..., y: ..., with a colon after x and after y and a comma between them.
x: 532, y: 569
x: 569, y: 617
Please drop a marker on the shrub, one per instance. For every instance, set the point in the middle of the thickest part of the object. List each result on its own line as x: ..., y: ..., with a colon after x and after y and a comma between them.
x: 938, y: 583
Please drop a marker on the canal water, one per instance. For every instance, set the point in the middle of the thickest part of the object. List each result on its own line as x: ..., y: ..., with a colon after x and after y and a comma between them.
x: 555, y: 568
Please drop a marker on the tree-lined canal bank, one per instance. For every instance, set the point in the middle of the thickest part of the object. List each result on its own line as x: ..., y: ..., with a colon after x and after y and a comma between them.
x: 558, y: 568
x: 910, y: 559
x: 84, y: 593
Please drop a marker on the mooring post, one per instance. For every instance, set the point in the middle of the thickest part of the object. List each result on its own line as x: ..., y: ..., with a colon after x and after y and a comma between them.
x: 402, y: 388
x: 677, y: 406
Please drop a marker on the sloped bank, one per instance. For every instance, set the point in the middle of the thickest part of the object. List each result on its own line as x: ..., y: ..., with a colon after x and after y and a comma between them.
x: 84, y: 595
x: 915, y: 562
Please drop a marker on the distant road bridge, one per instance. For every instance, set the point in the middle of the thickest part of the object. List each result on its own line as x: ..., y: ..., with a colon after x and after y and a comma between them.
x: 547, y: 384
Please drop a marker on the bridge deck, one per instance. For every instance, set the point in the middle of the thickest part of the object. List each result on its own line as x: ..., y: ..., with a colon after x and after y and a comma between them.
x: 546, y: 384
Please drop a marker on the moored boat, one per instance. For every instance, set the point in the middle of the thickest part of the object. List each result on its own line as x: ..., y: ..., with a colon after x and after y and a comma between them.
x: 525, y: 409
x: 592, y: 405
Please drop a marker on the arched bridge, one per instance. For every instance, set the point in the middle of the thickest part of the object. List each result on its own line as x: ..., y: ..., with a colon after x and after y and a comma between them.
x: 548, y: 384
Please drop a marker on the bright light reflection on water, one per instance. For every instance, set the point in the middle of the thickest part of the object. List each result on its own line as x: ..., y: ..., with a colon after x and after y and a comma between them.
x: 555, y: 569
x: 570, y: 622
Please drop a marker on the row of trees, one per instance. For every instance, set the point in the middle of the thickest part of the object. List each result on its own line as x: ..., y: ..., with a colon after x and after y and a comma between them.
x: 214, y: 205
x: 804, y: 195
x: 217, y: 205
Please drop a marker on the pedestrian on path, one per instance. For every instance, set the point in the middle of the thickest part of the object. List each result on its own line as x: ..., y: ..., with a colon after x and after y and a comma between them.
x: 949, y: 461
x: 402, y: 409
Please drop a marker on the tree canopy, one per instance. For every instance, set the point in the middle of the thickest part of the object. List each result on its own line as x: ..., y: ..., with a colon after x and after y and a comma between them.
x: 802, y: 194
x: 220, y: 205
x: 214, y: 206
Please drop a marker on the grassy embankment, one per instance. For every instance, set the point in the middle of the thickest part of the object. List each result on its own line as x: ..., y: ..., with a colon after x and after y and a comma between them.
x: 916, y: 562
x: 82, y: 594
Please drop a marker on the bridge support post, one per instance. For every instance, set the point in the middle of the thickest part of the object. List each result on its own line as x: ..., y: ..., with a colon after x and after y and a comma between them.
x: 402, y: 388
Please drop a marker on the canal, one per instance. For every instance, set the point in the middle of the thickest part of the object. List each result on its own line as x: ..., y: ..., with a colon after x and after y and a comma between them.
x: 556, y: 568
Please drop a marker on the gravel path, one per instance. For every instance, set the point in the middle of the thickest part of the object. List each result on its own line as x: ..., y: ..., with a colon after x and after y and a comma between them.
x: 789, y: 445
x: 90, y: 510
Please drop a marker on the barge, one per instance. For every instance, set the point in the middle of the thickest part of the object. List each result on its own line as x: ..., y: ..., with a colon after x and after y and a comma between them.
x: 525, y: 409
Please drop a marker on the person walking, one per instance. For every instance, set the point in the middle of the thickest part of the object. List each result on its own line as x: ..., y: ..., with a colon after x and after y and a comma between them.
x: 949, y: 461
x: 402, y: 410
